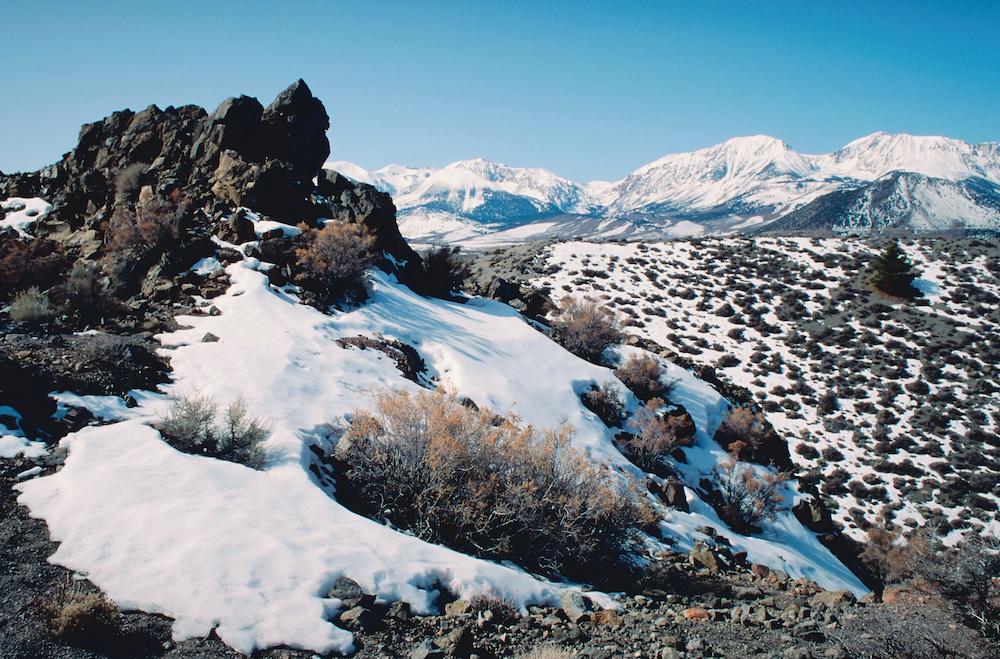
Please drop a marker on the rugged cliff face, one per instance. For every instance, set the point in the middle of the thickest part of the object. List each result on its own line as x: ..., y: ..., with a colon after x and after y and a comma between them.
x: 241, y: 155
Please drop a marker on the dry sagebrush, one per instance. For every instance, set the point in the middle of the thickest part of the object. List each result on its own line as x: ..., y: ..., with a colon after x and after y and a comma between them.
x: 645, y: 376
x: 334, y: 259
x: 748, y: 499
x: 585, y: 327
x: 656, y: 437
x: 484, y: 485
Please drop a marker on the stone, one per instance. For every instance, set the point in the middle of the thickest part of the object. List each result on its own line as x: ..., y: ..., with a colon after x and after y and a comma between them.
x: 457, y: 608
x: 358, y: 617
x: 606, y: 618
x: 457, y: 642
x: 349, y: 592
x: 574, y: 605
x: 209, y: 338
x: 832, y: 599
x: 704, y: 557
x: 695, y: 613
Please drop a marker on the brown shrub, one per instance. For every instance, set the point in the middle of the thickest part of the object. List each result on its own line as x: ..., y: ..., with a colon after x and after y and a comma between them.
x: 962, y: 581
x: 748, y: 499
x: 25, y: 263
x: 585, y: 327
x: 606, y: 402
x: 657, y: 436
x: 644, y: 375
x: 484, y: 485
x: 147, y: 227
x: 503, y: 608
x: 82, y: 618
x: 335, y: 258
x: 747, y: 435
x: 31, y: 306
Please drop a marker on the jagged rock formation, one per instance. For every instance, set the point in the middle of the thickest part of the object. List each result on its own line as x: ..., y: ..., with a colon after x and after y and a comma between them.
x: 243, y: 154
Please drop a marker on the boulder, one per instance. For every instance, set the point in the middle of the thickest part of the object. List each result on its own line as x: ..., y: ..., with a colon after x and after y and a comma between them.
x: 705, y: 557
x: 671, y: 491
x: 456, y: 643
x: 813, y: 514
x: 349, y: 592
x: 294, y: 131
x: 575, y: 605
x: 457, y: 608
x: 332, y: 184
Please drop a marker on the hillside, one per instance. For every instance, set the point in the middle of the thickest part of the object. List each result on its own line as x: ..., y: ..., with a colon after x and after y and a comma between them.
x: 240, y: 414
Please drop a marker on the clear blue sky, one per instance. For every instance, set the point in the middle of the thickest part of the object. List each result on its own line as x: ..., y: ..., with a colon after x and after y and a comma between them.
x: 589, y: 90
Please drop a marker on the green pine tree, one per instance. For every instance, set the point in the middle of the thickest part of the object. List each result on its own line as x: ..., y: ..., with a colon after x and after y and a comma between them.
x: 894, y: 273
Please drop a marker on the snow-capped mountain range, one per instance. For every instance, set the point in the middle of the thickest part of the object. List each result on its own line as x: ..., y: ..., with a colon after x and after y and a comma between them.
x: 741, y: 184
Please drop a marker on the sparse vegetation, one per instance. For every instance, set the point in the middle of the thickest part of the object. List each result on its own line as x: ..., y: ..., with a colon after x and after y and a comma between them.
x: 657, y: 436
x: 334, y: 259
x: 645, y: 376
x: 585, y: 327
x: 25, y: 263
x: 84, y: 619
x: 748, y: 499
x: 485, y: 485
x: 747, y: 435
x: 606, y: 402
x: 31, y: 306
x: 444, y: 272
x: 190, y: 426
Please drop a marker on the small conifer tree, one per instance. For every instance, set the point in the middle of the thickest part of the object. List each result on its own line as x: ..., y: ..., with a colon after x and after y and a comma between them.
x: 894, y: 274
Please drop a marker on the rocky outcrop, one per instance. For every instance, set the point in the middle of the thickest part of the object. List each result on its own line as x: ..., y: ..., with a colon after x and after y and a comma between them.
x: 240, y: 155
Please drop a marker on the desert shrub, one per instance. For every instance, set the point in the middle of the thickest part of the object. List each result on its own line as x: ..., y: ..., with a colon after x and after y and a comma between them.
x: 503, y: 608
x: 468, y: 479
x: 146, y: 227
x: 606, y: 402
x: 86, y: 619
x: 748, y: 436
x: 190, y: 426
x: 443, y: 273
x: 334, y: 259
x: 86, y: 292
x: 25, y: 263
x: 656, y: 437
x: 748, y: 499
x: 947, y: 600
x: 645, y: 376
x: 585, y: 327
x: 31, y: 306
x: 127, y: 180
x: 136, y: 237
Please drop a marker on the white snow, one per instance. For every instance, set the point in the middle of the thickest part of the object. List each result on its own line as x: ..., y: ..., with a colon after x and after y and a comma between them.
x: 12, y: 446
x: 22, y: 212
x: 251, y: 554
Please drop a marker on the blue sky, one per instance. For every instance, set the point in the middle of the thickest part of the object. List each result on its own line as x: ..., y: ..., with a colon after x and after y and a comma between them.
x: 588, y: 89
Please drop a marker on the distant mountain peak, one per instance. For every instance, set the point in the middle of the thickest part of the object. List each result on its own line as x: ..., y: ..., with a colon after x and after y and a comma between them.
x: 744, y: 181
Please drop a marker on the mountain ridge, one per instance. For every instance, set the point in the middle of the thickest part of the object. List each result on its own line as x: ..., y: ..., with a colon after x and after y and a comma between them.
x: 737, y: 184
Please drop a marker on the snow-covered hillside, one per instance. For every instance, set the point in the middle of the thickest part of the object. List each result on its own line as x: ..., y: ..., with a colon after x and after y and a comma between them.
x: 742, y: 183
x: 251, y: 554
x: 891, y: 407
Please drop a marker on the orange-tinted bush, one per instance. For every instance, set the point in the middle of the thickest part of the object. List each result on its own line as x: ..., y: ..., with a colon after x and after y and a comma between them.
x: 471, y: 480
